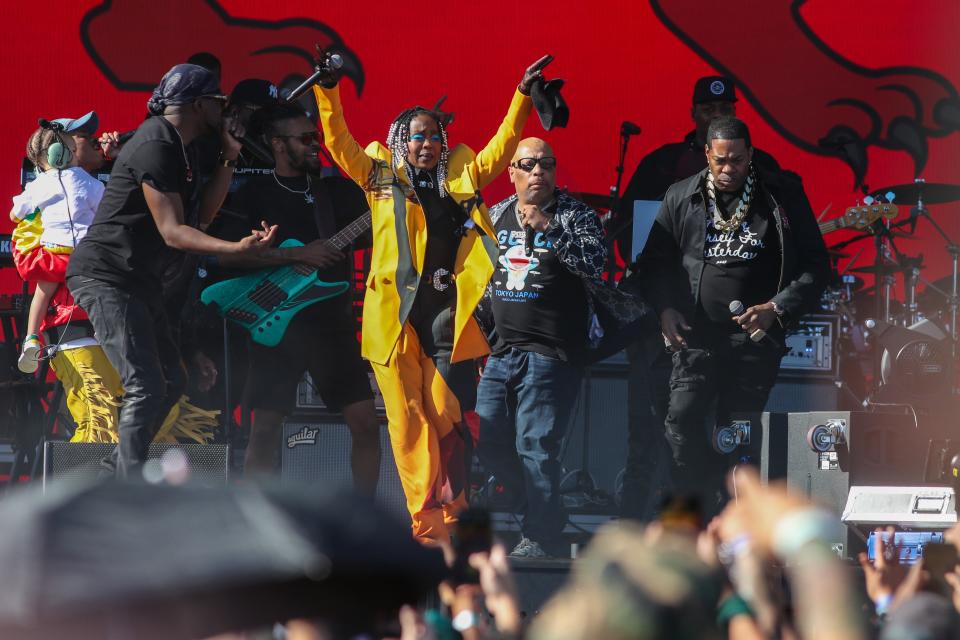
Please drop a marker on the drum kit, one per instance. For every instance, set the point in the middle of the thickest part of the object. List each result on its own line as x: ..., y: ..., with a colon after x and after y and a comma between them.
x: 876, y: 327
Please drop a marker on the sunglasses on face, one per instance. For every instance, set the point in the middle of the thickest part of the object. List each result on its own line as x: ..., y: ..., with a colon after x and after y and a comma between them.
x: 527, y: 164
x: 419, y: 137
x: 305, y: 138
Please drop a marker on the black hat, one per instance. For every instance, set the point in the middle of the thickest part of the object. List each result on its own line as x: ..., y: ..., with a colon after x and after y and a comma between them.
x: 256, y: 92
x: 550, y: 105
x: 712, y: 88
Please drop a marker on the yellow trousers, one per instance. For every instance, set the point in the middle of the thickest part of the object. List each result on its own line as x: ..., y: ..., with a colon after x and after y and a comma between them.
x: 93, y: 391
x: 424, y: 422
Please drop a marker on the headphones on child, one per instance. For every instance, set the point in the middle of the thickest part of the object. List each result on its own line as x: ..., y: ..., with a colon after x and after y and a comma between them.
x: 59, y: 154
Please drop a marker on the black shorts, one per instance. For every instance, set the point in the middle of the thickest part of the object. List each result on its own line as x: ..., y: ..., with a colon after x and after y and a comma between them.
x: 332, y: 358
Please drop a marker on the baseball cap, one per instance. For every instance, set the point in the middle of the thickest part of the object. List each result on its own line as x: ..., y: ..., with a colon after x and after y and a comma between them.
x: 87, y: 123
x: 712, y: 88
x: 256, y: 92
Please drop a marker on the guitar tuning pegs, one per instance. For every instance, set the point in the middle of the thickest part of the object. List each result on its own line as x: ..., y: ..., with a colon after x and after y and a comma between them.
x: 890, y: 195
x: 868, y: 200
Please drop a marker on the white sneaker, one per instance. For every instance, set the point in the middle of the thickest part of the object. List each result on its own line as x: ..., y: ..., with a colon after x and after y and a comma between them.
x: 28, y: 361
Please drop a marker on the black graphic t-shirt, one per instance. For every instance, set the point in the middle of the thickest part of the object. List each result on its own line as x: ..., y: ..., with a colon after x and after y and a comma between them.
x: 741, y: 264
x: 537, y: 304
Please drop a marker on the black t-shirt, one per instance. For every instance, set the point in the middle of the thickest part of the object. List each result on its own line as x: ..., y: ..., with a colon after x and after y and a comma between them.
x: 123, y: 246
x: 743, y: 264
x: 444, y: 219
x: 336, y: 203
x: 538, y: 305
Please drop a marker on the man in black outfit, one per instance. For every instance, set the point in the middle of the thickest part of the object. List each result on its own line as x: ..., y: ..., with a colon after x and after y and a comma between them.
x: 321, y: 338
x: 650, y: 366
x: 115, y: 273
x: 728, y: 233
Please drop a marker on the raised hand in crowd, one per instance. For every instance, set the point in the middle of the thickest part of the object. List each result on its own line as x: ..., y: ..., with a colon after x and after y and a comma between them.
x: 885, y: 574
x: 789, y: 529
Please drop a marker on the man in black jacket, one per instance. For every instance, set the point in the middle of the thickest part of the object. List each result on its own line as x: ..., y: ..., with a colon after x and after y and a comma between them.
x: 729, y: 233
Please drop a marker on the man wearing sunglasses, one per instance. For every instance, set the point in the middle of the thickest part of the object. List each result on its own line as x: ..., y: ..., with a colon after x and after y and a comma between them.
x: 115, y: 274
x: 548, y: 244
x: 322, y: 338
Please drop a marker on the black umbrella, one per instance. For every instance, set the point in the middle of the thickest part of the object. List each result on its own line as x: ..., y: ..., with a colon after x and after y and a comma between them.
x: 144, y: 561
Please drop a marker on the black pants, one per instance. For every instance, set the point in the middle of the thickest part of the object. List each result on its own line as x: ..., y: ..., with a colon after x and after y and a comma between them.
x: 730, y: 370
x: 648, y: 458
x: 135, y: 335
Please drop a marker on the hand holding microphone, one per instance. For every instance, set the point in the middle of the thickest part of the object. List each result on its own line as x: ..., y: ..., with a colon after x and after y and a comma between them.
x: 755, y: 320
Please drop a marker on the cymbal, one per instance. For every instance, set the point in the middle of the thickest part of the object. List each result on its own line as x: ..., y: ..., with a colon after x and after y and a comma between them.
x: 883, y: 269
x: 592, y: 200
x: 933, y: 193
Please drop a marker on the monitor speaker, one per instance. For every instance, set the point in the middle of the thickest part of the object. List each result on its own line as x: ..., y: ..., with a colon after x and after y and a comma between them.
x: 209, y: 464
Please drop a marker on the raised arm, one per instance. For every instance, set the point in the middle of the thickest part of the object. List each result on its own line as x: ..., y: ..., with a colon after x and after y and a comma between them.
x: 336, y: 137
x: 495, y: 156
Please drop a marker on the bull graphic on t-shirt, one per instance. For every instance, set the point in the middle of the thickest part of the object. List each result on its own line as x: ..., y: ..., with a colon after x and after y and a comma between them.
x: 518, y: 264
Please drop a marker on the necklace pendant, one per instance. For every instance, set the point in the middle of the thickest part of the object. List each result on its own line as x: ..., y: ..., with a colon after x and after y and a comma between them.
x: 308, y: 197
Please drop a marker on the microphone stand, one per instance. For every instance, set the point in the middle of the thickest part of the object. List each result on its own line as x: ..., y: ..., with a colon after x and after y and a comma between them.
x: 615, y: 206
x: 954, y: 250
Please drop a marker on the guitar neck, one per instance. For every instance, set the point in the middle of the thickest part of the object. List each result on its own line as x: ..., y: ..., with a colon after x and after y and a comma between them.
x: 831, y: 225
x: 351, y: 232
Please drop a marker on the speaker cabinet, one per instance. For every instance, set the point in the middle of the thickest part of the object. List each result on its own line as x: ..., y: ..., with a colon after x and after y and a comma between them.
x: 209, y: 464
x: 316, y: 449
x: 601, y: 411
x: 828, y: 452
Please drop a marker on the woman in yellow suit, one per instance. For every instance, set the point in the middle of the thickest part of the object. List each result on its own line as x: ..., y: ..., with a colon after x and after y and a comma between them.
x: 433, y: 253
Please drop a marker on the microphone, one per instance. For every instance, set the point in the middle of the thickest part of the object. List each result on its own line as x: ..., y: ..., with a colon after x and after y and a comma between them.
x: 628, y: 129
x: 528, y: 240
x: 327, y: 66
x: 125, y: 136
x: 736, y: 308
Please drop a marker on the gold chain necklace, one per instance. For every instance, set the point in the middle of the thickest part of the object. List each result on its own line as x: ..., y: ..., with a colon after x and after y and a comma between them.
x: 743, y: 206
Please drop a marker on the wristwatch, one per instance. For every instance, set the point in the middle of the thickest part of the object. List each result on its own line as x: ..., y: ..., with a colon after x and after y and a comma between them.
x: 464, y: 620
x: 226, y: 162
x: 777, y: 309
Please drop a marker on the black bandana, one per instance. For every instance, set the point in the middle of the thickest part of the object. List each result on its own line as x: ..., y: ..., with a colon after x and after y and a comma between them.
x: 183, y: 84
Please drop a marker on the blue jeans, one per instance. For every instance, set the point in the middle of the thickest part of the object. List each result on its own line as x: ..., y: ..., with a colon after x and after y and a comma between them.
x: 525, y: 401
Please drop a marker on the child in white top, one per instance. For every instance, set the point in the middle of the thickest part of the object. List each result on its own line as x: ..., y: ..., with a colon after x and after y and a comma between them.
x: 66, y: 201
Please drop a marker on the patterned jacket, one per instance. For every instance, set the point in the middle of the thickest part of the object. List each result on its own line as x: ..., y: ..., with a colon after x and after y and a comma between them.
x: 577, y: 239
x: 613, y: 315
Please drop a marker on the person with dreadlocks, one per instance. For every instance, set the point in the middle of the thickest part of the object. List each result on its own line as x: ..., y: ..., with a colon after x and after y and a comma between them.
x: 433, y: 252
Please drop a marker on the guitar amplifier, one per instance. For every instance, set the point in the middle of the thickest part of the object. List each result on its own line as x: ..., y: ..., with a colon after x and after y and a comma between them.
x: 209, y: 464
x: 316, y: 449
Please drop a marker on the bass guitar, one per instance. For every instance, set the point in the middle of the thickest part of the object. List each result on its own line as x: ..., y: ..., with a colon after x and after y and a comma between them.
x: 265, y: 302
x: 860, y: 217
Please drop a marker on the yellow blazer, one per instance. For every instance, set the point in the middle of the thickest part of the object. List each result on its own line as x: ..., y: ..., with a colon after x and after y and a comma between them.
x: 399, y: 245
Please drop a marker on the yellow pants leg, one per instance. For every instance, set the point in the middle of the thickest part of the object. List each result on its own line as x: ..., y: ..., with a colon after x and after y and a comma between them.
x: 92, y: 387
x: 421, y: 411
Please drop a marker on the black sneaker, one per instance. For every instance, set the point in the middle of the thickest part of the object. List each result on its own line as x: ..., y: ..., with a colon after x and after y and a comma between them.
x: 529, y: 549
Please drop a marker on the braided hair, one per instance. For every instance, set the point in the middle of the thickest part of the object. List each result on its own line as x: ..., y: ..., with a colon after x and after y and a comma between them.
x: 399, y: 135
x: 37, y: 145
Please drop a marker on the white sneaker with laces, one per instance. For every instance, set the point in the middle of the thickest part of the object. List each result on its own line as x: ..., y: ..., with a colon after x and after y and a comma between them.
x: 28, y: 361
